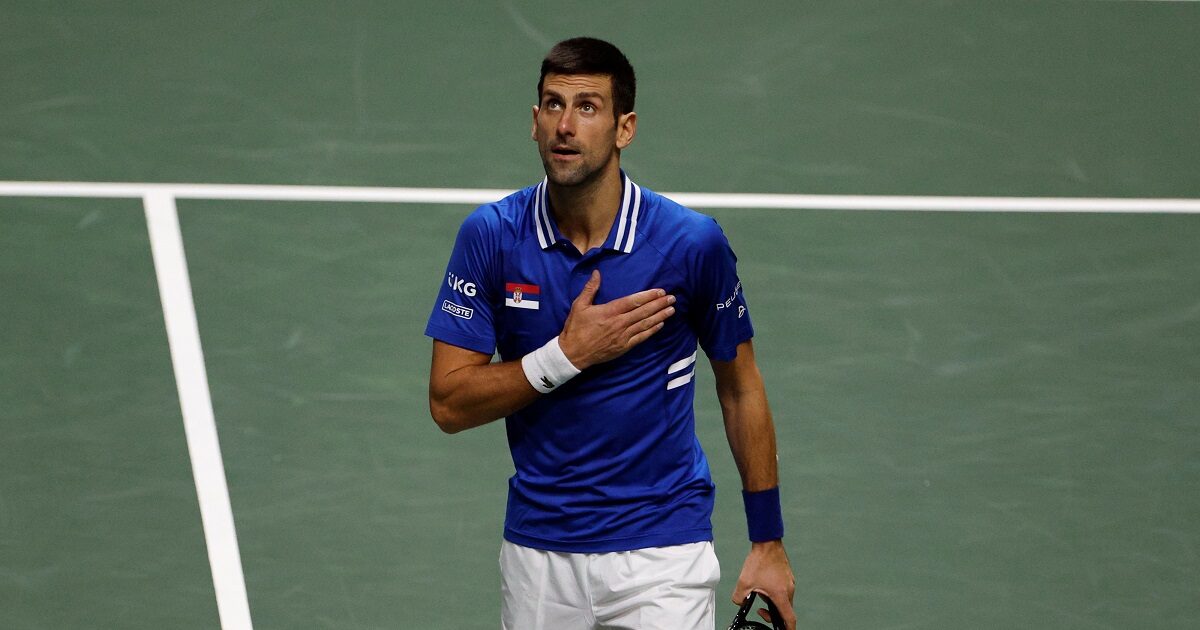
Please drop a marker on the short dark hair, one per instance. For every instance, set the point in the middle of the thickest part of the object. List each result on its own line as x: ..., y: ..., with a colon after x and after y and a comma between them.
x: 587, y: 55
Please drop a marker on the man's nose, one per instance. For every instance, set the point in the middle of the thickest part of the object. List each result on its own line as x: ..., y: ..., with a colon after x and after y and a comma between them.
x: 566, y: 123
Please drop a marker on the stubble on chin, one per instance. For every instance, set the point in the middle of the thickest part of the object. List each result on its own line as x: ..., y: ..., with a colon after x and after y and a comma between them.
x: 564, y: 175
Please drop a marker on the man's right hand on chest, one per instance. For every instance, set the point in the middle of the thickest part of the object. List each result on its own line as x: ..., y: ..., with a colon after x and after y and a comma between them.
x: 595, y: 333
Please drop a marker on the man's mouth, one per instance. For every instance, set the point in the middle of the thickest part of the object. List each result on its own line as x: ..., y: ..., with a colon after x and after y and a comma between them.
x: 564, y: 151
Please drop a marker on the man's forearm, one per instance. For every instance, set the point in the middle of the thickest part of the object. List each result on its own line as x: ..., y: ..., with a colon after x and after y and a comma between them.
x: 751, y: 434
x: 474, y: 395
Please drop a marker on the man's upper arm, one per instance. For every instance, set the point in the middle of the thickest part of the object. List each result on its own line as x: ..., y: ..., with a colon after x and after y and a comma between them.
x: 737, y: 376
x: 464, y: 311
x: 448, y: 358
x: 719, y: 313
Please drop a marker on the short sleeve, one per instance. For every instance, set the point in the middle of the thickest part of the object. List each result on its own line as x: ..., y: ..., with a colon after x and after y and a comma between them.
x: 719, y: 314
x: 464, y: 312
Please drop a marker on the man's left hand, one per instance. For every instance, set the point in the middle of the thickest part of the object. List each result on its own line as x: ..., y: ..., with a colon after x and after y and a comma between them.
x: 768, y: 571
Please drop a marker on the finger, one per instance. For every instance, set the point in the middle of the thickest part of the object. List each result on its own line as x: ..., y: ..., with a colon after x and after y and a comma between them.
x: 642, y: 336
x: 653, y: 319
x: 634, y: 300
x: 588, y: 295
x: 646, y: 323
x: 789, y: 621
x: 650, y: 311
x: 766, y: 616
x: 784, y: 606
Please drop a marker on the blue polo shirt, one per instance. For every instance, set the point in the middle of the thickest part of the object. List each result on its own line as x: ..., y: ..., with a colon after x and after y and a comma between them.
x: 610, y: 460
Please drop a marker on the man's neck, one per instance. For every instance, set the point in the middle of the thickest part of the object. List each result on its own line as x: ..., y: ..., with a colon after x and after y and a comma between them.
x: 585, y: 213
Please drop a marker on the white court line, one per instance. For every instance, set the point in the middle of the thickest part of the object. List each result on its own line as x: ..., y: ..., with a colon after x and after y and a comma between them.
x: 195, y: 401
x: 473, y: 196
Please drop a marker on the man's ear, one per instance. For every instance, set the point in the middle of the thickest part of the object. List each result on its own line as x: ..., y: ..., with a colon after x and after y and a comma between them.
x: 533, y: 129
x: 626, y: 129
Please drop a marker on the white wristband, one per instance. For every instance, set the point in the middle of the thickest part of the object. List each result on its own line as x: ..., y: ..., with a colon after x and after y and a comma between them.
x: 547, y: 367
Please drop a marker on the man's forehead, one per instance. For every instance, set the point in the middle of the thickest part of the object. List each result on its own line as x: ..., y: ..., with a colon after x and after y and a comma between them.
x: 567, y: 84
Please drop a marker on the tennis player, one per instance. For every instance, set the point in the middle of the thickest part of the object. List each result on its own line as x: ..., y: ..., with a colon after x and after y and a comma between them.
x: 596, y: 293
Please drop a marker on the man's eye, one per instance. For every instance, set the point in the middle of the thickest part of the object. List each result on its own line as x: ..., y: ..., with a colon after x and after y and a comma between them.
x: 588, y: 107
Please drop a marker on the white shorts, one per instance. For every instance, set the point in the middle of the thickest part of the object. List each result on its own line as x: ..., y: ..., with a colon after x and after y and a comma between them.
x: 660, y: 588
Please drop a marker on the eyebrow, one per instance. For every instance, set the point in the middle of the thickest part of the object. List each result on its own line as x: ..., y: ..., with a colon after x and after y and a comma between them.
x: 578, y: 95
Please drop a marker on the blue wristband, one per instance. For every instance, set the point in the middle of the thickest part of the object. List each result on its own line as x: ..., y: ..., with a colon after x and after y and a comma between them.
x: 764, y: 516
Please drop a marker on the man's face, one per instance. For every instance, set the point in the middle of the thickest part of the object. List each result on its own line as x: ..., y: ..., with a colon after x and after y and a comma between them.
x: 577, y: 135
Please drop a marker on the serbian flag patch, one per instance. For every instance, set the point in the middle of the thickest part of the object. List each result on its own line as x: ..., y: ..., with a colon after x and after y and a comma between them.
x: 519, y: 295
